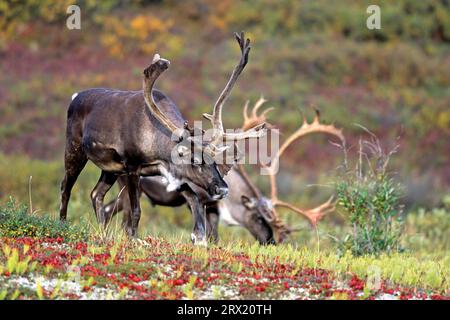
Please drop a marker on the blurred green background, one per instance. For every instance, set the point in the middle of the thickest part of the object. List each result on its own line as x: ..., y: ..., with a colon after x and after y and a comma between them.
x: 394, y: 81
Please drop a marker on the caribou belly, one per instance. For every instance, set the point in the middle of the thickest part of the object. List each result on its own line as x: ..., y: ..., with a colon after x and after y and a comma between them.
x: 225, y: 215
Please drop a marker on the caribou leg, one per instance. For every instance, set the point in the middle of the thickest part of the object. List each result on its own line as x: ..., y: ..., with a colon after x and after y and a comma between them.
x: 74, y: 162
x: 115, y: 206
x: 121, y: 203
x: 106, y: 181
x: 134, y: 195
x: 198, y: 234
x: 212, y: 219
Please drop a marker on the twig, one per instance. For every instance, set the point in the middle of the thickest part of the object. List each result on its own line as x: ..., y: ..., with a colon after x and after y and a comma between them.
x: 29, y: 195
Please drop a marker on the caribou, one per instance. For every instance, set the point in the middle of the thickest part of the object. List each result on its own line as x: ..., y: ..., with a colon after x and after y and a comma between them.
x: 245, y: 206
x: 136, y: 133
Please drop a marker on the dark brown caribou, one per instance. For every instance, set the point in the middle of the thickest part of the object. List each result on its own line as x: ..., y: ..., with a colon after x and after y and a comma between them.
x: 137, y: 133
x: 245, y: 205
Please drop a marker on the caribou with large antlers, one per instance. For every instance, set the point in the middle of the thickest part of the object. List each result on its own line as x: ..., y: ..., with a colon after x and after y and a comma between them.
x: 137, y: 133
x: 245, y: 205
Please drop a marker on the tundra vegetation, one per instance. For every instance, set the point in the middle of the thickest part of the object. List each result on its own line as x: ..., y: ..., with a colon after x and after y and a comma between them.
x: 387, y: 238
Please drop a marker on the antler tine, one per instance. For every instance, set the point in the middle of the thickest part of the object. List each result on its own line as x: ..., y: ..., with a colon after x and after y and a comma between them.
x: 263, y: 114
x: 281, y: 228
x: 258, y: 105
x: 302, y: 115
x: 254, y: 119
x: 151, y: 73
x: 245, y: 111
x: 257, y: 131
x: 316, y: 116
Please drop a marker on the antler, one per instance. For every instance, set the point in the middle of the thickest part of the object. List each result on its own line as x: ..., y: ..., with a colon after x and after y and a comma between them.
x: 313, y: 215
x: 317, y: 213
x: 216, y: 144
x: 216, y: 117
x: 156, y: 68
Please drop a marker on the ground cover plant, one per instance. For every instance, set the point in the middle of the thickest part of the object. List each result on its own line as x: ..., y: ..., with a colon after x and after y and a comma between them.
x: 102, y: 266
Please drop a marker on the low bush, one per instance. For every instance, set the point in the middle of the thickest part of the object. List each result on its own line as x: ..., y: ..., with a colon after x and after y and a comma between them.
x: 428, y: 230
x: 16, y: 222
x: 370, y: 199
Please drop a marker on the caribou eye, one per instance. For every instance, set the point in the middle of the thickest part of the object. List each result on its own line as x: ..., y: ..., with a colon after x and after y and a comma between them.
x: 247, y: 202
x: 182, y: 150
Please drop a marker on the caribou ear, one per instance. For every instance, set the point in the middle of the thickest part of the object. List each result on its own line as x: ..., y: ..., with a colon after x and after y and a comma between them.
x: 224, y: 168
x: 247, y: 202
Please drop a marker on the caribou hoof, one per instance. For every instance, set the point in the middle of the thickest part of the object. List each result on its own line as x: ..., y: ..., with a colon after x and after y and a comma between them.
x: 198, y: 242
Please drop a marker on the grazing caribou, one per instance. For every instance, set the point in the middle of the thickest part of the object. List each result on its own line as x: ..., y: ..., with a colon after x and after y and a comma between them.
x: 137, y: 133
x: 237, y: 209
x: 245, y: 205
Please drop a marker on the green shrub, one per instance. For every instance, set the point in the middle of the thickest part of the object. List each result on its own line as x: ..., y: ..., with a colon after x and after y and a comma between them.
x: 428, y: 229
x: 370, y: 199
x: 15, y: 222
